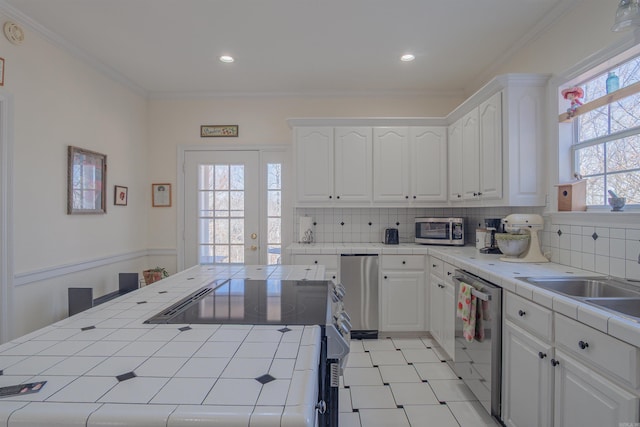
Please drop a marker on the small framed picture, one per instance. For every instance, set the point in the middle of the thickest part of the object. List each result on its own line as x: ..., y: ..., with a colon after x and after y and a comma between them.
x: 161, y: 195
x: 120, y: 195
x: 213, y: 131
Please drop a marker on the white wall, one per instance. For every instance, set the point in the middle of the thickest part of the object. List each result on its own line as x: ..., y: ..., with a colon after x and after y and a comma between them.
x: 61, y: 101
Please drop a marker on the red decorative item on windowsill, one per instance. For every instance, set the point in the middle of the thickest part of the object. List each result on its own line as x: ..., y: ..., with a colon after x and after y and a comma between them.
x: 573, y: 94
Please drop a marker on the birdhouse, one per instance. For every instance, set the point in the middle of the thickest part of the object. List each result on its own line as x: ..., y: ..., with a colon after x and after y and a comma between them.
x: 572, y: 196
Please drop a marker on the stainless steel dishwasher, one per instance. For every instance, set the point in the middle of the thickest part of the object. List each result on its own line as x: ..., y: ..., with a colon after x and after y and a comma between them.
x: 479, y: 362
x: 359, y: 276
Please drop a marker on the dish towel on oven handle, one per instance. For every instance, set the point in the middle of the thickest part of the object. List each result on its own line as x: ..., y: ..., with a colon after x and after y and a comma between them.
x: 466, y: 310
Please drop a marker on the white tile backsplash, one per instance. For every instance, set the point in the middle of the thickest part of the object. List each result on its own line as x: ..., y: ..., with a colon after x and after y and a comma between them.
x: 613, y: 251
x: 604, y: 250
x: 366, y: 225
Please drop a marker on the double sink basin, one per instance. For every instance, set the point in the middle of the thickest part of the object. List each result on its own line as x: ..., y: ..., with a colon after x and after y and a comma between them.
x: 618, y: 296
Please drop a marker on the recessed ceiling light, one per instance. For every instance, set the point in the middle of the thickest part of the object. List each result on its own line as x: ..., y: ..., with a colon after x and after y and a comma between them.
x: 226, y: 58
x: 407, y: 57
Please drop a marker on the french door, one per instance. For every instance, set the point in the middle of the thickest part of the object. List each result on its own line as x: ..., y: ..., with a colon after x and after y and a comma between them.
x: 222, y: 205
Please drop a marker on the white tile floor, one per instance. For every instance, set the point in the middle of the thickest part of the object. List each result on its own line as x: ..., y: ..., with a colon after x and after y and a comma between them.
x: 403, y: 382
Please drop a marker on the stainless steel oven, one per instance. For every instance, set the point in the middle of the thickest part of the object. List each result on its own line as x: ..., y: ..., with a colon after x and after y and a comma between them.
x: 478, y: 361
x: 440, y: 231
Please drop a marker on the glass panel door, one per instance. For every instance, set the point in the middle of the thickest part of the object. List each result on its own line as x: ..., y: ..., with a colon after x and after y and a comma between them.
x: 221, y: 207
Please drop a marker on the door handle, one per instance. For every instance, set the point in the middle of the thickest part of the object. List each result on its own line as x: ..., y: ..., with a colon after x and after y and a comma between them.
x: 254, y: 248
x: 254, y: 236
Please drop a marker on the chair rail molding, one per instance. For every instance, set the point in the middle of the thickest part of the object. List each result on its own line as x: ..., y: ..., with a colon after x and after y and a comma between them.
x: 61, y: 270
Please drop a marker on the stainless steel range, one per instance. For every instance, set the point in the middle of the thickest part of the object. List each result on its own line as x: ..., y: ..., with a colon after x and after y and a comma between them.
x: 277, y: 302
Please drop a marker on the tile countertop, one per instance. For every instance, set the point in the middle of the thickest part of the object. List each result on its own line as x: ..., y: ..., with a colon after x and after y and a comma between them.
x: 184, y: 376
x: 502, y: 273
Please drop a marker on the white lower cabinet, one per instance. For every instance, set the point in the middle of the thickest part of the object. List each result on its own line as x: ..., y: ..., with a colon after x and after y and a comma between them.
x: 330, y: 263
x: 562, y: 373
x: 402, y: 293
x: 442, y: 312
x: 528, y: 379
x: 584, y: 398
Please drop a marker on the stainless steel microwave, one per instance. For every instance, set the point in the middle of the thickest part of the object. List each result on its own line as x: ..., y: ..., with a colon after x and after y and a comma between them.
x: 440, y: 231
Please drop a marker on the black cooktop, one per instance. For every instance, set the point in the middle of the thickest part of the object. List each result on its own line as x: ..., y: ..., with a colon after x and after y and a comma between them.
x: 252, y: 302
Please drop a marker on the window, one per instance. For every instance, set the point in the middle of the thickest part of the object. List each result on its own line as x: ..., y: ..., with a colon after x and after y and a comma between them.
x: 606, y: 151
x: 274, y: 213
x: 221, y: 189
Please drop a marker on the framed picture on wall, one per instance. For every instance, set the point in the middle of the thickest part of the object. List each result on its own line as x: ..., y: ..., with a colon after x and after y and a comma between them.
x: 161, y: 195
x: 86, y: 181
x: 213, y: 131
x: 120, y: 195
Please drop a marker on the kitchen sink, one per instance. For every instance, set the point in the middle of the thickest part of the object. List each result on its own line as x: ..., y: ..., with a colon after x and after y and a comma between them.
x: 609, y: 293
x: 624, y: 306
x: 587, y: 287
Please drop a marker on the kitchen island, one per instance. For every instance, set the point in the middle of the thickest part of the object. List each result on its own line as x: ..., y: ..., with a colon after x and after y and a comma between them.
x: 106, y: 367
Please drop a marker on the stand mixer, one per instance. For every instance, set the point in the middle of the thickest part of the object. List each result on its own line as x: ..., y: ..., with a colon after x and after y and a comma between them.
x: 516, y: 223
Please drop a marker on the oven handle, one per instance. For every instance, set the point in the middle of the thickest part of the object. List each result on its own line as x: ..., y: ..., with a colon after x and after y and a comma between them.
x: 476, y: 293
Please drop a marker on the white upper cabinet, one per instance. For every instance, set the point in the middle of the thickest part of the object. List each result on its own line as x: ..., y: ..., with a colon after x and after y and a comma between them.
x: 391, y: 164
x: 490, y: 135
x: 333, y: 165
x: 470, y: 165
x: 496, y: 141
x: 410, y: 164
x: 428, y: 150
x: 454, y: 133
x: 490, y: 153
x: 353, y: 159
x: 314, y: 164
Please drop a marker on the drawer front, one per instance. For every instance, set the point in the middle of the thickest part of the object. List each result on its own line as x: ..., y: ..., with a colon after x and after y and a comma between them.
x: 403, y: 262
x: 529, y: 315
x: 605, y: 352
x: 436, y: 266
x: 330, y: 262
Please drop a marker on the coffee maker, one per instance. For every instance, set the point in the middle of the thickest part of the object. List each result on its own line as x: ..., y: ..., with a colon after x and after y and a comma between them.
x: 493, y: 226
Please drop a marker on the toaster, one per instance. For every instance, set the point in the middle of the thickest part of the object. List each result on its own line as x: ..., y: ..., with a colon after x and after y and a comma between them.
x: 391, y: 236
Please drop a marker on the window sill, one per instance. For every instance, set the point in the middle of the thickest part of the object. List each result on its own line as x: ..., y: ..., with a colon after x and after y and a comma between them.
x: 598, y: 217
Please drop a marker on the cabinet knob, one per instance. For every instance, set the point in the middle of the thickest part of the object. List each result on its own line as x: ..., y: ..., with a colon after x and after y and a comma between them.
x: 458, y: 196
x: 406, y: 197
x: 541, y: 355
x: 475, y: 194
x: 479, y: 193
x: 440, y: 286
x: 583, y: 345
x: 404, y: 262
x: 331, y: 197
x: 385, y: 277
x: 414, y: 197
x: 521, y: 313
x: 554, y: 362
x: 337, y: 197
x: 434, y: 265
x: 315, y: 262
x: 448, y: 273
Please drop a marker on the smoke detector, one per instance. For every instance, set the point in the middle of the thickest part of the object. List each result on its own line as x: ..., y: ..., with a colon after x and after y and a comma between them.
x: 13, y: 33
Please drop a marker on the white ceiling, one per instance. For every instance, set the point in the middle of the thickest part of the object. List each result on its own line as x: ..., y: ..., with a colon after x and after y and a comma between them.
x: 171, y: 47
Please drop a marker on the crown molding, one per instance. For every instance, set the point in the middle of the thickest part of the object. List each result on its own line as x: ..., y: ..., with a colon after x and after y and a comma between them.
x: 306, y: 94
x: 14, y: 14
